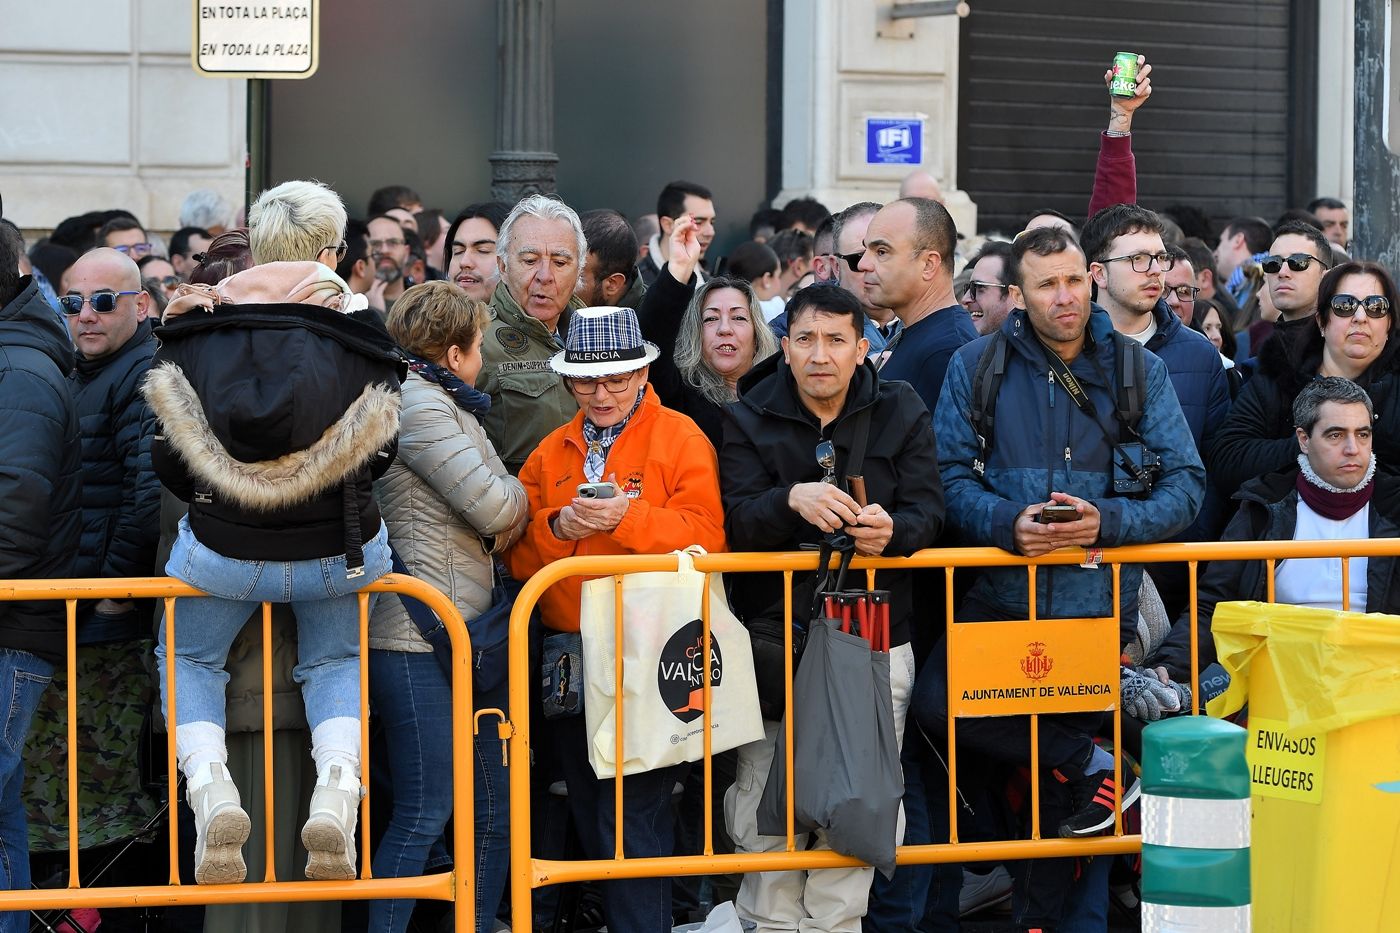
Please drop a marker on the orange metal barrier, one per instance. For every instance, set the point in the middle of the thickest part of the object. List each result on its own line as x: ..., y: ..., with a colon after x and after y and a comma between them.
x: 452, y: 886
x: 529, y: 873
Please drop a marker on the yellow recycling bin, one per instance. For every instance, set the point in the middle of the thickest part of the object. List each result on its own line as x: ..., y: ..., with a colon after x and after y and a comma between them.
x: 1323, y: 689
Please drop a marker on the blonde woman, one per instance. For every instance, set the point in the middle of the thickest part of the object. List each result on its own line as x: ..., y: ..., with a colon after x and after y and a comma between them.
x: 450, y: 506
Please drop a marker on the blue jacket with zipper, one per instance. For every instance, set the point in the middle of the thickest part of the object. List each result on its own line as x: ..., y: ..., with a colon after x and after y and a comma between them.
x: 1045, y: 443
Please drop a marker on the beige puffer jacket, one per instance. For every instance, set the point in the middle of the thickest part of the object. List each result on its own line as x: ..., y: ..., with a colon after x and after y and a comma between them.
x: 449, y: 504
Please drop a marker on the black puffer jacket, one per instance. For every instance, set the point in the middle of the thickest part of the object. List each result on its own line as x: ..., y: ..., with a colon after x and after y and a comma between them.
x: 40, y: 468
x: 770, y: 441
x: 1258, y: 437
x: 273, y: 421
x: 1268, y: 511
x: 121, y: 495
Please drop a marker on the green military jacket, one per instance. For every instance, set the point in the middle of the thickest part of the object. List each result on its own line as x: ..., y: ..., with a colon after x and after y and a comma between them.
x: 528, y: 399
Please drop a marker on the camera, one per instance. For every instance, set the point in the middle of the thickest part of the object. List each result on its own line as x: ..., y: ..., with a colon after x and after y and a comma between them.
x: 1135, y: 469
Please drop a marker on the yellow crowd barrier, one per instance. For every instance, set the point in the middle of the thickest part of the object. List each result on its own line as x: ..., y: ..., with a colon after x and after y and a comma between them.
x: 453, y: 886
x: 529, y: 873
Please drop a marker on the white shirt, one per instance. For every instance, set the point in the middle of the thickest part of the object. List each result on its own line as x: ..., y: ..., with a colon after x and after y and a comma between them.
x: 1143, y: 336
x: 1317, y: 582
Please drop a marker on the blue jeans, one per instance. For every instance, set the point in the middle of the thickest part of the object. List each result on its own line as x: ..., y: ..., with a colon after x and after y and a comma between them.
x: 23, y: 678
x: 640, y: 905
x: 322, y: 597
x: 412, y: 700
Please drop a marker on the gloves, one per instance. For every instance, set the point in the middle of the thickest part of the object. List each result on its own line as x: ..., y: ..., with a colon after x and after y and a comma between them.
x: 1145, y: 697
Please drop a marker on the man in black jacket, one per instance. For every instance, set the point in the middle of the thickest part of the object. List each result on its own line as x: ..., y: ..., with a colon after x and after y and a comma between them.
x: 1335, y: 492
x: 40, y: 486
x: 776, y: 498
x: 107, y: 316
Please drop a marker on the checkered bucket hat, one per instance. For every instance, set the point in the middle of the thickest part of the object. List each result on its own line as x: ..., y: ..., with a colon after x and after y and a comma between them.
x: 603, y: 342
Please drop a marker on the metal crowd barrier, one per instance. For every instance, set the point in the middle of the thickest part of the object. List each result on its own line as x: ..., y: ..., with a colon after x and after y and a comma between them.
x: 1098, y: 637
x: 453, y: 886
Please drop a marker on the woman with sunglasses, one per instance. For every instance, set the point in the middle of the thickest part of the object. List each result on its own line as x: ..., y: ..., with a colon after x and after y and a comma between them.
x: 708, y: 340
x: 1350, y: 337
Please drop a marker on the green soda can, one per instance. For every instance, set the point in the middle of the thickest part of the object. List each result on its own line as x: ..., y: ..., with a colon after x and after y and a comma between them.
x: 1125, y: 72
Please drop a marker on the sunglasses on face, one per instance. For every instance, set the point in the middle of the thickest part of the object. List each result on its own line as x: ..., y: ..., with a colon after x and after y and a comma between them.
x: 1297, y: 262
x: 165, y: 281
x: 1375, y: 306
x: 102, y: 302
x: 853, y: 259
x: 976, y: 287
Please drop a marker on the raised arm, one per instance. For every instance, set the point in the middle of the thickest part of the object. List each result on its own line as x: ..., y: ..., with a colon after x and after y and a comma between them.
x: 1115, y: 173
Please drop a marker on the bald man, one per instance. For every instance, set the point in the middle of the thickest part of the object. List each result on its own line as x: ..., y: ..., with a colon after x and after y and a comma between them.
x: 106, y: 310
x: 920, y: 184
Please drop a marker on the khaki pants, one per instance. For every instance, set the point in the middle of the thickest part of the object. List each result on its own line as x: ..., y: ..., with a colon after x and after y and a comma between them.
x: 832, y: 900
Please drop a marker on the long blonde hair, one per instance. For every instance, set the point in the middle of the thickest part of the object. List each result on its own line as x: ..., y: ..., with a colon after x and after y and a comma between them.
x: 690, y: 351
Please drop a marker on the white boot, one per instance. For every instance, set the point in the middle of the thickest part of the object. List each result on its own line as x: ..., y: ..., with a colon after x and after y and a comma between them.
x: 221, y: 828
x: 329, y: 833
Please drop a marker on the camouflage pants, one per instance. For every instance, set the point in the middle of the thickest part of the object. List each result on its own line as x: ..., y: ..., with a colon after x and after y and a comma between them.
x: 115, y: 695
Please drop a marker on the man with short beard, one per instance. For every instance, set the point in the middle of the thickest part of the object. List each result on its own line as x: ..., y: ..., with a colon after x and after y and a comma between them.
x: 987, y: 297
x: 610, y: 276
x: 388, y: 246
x: 540, y: 253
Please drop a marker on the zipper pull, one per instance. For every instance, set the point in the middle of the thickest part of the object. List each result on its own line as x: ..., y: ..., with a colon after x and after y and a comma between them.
x: 1067, y: 457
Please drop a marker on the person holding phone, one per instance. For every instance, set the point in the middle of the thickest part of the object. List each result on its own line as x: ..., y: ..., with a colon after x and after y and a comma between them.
x: 1058, y: 452
x: 624, y: 476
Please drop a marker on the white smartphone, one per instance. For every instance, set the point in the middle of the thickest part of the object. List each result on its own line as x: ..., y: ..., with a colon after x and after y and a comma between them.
x: 597, y: 490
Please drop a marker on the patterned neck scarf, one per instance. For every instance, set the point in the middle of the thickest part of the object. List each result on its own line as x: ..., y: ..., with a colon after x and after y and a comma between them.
x: 600, y: 440
x: 468, y: 398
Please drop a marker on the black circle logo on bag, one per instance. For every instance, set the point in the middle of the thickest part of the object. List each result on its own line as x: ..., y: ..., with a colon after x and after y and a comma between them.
x: 680, y: 671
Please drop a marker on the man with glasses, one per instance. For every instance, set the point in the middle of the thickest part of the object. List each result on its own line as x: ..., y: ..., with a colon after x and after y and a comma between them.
x: 40, y: 524
x: 1298, y: 258
x: 907, y: 266
x: 837, y: 251
x: 125, y: 235
x: 1179, y: 285
x: 987, y: 297
x: 1129, y: 265
x: 388, y: 247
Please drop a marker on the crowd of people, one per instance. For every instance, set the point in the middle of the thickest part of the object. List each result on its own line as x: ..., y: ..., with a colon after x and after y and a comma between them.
x: 288, y: 407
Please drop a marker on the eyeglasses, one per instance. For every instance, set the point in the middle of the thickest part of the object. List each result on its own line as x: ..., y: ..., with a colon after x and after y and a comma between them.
x: 1184, y: 293
x: 1297, y: 262
x: 391, y: 243
x: 975, y: 288
x: 166, y: 281
x: 102, y: 302
x: 613, y: 384
x: 341, y: 249
x: 1345, y: 305
x: 134, y: 249
x: 1141, y: 262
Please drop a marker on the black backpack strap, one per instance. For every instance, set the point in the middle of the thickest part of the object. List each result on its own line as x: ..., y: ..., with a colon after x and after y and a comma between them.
x: 986, y: 383
x: 860, y: 437
x: 1132, y: 386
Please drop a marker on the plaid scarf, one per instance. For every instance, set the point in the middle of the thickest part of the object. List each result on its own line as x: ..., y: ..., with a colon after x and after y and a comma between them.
x: 600, y: 440
x: 468, y: 398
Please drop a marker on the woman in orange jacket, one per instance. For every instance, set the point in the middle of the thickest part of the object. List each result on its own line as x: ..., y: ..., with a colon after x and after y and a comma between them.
x: 654, y: 484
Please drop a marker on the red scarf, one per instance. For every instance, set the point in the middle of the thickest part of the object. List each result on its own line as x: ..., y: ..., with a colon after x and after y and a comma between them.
x: 1333, y: 505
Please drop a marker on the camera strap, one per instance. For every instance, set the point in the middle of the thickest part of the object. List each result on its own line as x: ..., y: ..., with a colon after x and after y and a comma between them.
x: 1130, y: 363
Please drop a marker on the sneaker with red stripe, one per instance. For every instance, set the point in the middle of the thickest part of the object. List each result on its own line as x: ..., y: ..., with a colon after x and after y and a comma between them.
x: 1093, y: 802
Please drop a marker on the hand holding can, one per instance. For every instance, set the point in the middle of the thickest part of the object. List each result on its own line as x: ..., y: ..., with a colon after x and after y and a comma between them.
x: 1124, y: 76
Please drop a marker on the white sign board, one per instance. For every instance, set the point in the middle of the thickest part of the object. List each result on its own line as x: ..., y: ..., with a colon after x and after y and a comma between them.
x: 253, y: 39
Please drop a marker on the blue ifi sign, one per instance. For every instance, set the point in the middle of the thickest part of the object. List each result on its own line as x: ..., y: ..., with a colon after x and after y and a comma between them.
x: 894, y: 141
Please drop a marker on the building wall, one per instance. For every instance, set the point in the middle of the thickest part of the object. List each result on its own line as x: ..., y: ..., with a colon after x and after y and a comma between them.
x: 1335, y: 83
x: 644, y: 93
x: 102, y: 109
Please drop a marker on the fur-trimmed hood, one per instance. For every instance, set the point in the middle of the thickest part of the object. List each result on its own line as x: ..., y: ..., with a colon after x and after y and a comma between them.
x: 368, y: 425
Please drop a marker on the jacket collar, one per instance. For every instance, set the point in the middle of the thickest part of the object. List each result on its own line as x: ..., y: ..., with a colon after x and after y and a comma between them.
x: 508, y: 310
x: 1098, y: 340
x: 770, y: 389
x: 88, y: 368
x: 30, y: 321
x: 354, y: 335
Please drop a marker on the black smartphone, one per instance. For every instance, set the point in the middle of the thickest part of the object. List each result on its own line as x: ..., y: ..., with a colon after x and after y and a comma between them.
x: 1058, y: 513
